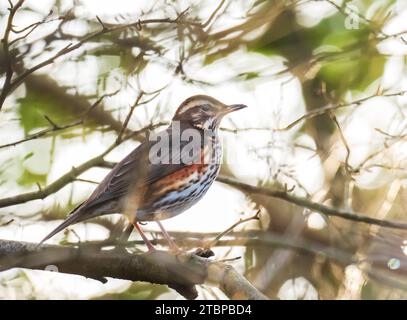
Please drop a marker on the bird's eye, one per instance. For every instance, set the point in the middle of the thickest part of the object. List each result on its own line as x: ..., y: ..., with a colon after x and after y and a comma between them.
x: 205, y: 107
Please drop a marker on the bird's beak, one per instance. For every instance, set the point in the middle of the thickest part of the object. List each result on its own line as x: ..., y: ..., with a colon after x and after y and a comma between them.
x: 235, y: 107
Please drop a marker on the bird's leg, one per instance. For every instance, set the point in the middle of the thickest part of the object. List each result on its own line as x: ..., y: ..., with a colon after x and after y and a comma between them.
x: 126, y: 234
x: 171, y: 242
x: 143, y: 236
x: 124, y: 238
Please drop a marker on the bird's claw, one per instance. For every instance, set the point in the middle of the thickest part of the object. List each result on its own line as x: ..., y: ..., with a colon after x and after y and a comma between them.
x: 204, y: 252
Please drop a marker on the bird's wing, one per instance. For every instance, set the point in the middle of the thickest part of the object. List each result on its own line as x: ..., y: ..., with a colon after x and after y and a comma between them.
x: 133, y: 171
x: 137, y: 170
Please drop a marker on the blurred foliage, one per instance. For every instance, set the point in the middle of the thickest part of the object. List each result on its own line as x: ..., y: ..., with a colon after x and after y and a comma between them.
x: 35, y: 106
x: 28, y: 178
x: 349, y: 58
x: 329, y: 61
x: 137, y: 291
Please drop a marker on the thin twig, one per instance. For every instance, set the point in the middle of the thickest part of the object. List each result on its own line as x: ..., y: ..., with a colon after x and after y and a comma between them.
x: 256, y: 216
x: 32, y: 27
x: 3, y: 224
x: 6, y: 50
x: 212, y: 16
x: 67, y: 177
x: 320, y: 111
x: 128, y: 117
x: 12, y: 85
x: 55, y: 127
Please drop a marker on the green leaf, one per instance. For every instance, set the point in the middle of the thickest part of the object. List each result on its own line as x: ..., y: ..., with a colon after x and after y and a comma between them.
x: 353, y: 64
x: 36, y: 105
x: 28, y: 156
x: 28, y: 178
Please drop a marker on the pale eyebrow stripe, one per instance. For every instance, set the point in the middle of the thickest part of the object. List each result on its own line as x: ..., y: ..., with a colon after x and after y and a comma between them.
x: 193, y: 104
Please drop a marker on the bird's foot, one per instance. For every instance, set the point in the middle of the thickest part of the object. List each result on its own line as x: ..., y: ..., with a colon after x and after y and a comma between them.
x: 204, y: 252
x: 150, y: 247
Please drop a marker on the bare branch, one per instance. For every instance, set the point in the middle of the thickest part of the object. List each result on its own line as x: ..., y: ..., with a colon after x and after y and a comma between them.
x: 12, y: 85
x: 32, y: 27
x: 6, y: 48
x: 66, y: 178
x: 303, y: 202
x: 330, y: 108
x: 126, y: 121
x: 181, y: 272
x: 56, y: 185
x: 54, y: 127
x: 256, y: 216
x: 212, y: 16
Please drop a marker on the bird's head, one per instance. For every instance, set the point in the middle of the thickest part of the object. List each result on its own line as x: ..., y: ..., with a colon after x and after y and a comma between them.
x: 204, y: 112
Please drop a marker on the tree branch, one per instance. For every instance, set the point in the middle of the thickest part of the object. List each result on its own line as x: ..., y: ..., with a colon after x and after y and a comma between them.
x: 6, y: 48
x: 55, y: 128
x: 304, y: 202
x: 331, y: 107
x: 181, y: 272
x: 56, y: 185
x: 67, y: 177
x: 11, y: 85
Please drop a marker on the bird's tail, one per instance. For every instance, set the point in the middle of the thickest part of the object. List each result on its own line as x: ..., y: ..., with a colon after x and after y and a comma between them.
x: 74, y: 217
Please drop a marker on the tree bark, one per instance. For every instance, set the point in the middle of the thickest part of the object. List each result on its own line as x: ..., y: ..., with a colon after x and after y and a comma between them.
x: 180, y: 272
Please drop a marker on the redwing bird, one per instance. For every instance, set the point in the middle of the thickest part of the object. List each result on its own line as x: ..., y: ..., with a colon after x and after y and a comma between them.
x: 164, y: 175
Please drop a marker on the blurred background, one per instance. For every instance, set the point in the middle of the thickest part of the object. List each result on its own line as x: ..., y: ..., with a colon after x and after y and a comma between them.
x: 325, y: 82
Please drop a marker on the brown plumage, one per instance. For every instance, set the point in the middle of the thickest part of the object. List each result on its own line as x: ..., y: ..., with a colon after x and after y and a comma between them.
x: 146, y: 190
